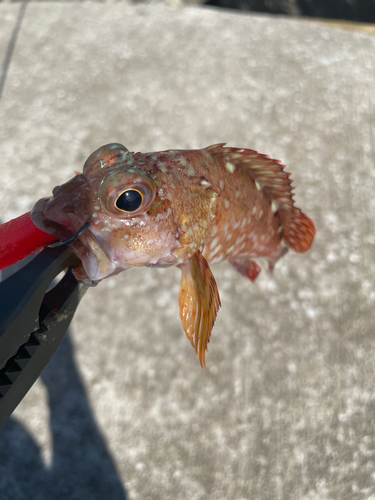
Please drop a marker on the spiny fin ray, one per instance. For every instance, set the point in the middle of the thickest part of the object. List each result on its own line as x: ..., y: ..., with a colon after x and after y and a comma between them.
x: 199, y: 303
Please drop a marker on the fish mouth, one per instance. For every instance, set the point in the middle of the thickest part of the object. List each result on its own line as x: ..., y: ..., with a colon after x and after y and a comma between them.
x: 73, y: 238
x: 62, y: 230
x: 64, y: 213
x: 96, y: 258
x: 94, y: 252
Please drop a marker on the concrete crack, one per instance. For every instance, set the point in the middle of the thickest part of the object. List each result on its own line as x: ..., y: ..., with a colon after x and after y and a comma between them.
x: 11, y: 46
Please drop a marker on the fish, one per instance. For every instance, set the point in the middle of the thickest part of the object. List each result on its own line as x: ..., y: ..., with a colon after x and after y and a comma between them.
x: 184, y: 208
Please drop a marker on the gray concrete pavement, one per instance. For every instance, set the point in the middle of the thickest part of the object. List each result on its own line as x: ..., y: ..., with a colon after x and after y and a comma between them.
x: 8, y: 37
x: 286, y: 408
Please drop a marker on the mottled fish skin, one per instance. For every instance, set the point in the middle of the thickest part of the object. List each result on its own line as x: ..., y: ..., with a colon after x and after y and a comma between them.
x: 196, y: 207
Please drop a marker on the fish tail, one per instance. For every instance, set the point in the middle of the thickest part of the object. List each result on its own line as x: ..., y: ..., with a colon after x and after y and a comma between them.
x: 298, y: 231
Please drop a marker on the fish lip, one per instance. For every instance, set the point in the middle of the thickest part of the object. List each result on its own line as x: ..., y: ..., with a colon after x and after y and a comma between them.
x: 84, y: 239
x: 84, y: 247
x: 65, y: 212
x: 50, y: 226
x: 59, y: 230
x: 96, y: 256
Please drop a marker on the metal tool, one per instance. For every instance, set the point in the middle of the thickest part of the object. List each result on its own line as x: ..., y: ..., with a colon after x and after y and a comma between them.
x: 33, y: 320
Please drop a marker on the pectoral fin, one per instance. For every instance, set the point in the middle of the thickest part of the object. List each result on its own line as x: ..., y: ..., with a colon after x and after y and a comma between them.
x: 199, y: 303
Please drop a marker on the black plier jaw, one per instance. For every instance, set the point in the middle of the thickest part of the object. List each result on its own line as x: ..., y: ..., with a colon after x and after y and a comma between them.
x: 33, y: 321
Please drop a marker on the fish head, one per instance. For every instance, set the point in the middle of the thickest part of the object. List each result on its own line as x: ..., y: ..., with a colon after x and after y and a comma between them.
x: 139, y: 209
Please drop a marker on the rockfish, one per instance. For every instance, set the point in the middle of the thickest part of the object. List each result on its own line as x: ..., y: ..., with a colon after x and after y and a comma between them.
x: 185, y: 208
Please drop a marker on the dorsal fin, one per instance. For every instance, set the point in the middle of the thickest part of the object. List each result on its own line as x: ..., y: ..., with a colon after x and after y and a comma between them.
x: 270, y: 177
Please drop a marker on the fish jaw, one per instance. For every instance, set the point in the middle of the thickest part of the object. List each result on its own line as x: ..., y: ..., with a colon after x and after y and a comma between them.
x: 112, y: 246
x: 62, y: 215
x: 96, y: 259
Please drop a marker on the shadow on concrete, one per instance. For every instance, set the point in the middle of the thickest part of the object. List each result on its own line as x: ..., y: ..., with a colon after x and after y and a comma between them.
x: 81, y: 466
x: 348, y: 10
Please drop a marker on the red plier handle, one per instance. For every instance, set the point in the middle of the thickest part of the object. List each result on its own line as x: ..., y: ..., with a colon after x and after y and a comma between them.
x: 20, y: 238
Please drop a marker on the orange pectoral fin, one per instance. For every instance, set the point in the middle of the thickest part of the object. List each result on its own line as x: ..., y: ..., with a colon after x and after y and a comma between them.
x: 199, y: 303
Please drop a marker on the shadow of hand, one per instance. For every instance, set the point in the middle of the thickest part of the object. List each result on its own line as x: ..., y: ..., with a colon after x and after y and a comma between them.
x: 81, y: 467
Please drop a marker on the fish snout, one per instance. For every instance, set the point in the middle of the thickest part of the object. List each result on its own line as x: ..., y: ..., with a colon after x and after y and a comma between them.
x: 66, y: 211
x: 69, y: 203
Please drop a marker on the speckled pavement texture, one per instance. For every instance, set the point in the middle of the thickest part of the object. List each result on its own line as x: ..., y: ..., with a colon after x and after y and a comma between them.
x: 286, y: 409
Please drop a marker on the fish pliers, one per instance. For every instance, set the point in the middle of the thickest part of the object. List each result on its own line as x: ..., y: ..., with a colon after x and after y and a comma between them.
x: 35, y: 313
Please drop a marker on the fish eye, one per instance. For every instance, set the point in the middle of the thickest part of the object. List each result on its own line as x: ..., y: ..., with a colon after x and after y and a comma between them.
x: 129, y: 200
x: 126, y: 194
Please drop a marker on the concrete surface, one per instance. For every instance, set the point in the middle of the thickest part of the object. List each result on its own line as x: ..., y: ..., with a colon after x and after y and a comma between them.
x: 286, y: 409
